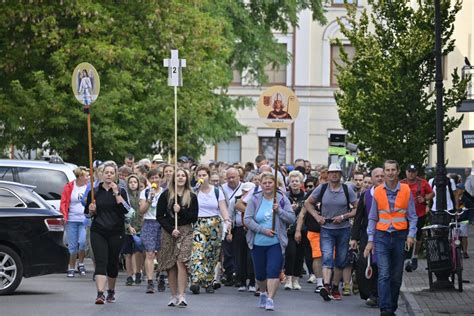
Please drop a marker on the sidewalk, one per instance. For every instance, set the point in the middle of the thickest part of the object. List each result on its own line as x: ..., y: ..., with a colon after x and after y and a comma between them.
x: 421, y: 301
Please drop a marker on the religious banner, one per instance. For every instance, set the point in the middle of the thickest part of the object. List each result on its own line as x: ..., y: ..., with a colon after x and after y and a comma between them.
x: 278, y: 106
x: 85, y: 84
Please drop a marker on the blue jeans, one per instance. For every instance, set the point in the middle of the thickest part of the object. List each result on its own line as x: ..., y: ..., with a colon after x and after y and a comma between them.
x: 390, y: 252
x: 76, y: 237
x: 338, y: 238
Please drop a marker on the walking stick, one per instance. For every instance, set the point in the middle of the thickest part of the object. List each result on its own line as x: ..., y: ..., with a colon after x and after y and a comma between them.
x: 277, y: 136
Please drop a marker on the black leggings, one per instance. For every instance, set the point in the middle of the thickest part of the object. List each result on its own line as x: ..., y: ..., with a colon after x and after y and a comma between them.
x: 244, y: 265
x: 294, y: 257
x: 106, y: 250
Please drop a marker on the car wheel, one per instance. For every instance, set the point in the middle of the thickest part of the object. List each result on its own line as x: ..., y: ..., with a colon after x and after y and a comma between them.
x: 11, y: 270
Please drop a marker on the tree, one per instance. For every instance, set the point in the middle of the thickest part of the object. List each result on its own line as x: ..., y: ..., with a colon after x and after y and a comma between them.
x: 126, y: 42
x: 386, y: 100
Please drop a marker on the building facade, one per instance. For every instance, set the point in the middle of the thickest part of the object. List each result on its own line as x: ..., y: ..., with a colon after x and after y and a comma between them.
x: 312, y: 76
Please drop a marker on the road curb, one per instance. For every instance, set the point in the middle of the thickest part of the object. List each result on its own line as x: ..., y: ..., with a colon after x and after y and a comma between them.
x: 413, y: 308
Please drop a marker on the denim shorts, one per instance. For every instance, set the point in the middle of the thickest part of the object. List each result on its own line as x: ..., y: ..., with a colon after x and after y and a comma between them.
x: 76, y: 237
x: 338, y: 240
x: 151, y: 235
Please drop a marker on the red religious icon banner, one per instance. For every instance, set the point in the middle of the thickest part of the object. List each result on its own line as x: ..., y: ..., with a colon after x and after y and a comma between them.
x: 278, y: 106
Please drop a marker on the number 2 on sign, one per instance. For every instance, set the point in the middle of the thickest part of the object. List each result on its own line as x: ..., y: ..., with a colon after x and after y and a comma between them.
x: 174, y: 70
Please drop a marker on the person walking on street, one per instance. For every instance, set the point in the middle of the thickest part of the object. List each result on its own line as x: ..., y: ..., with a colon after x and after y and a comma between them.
x: 177, y: 244
x: 107, y: 230
x: 422, y: 195
x: 391, y: 230
x: 336, y: 203
x: 268, y: 246
x: 73, y: 213
x: 367, y: 287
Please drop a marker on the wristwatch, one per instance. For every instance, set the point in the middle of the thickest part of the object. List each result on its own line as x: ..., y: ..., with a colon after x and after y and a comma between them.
x: 116, y: 194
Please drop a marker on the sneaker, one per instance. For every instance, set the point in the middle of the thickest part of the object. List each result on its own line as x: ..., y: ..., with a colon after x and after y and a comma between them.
x: 161, y: 285
x: 324, y: 292
x: 318, y: 288
x: 100, y: 300
x: 182, y: 303
x: 465, y: 255
x: 173, y: 301
x: 210, y: 290
x: 129, y: 281
x: 138, y: 278
x: 70, y: 273
x: 288, y: 284
x: 408, y: 267
x: 372, y: 302
x: 414, y: 263
x: 82, y: 269
x: 312, y: 279
x: 110, y: 296
x: 296, y: 284
x: 150, y: 288
x: 269, y: 306
x: 336, y: 295
x: 251, y: 289
x: 194, y: 288
x: 263, y: 300
x: 257, y: 292
x: 216, y: 285
x: 242, y: 289
x: 346, y: 290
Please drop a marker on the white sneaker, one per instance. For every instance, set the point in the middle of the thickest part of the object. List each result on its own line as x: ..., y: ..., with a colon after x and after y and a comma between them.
x: 312, y: 279
x: 269, y: 306
x: 242, y: 289
x: 296, y: 284
x: 288, y: 284
x: 252, y: 289
x: 173, y: 301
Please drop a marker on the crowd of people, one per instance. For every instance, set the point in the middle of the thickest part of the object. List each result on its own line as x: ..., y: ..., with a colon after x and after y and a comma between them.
x: 251, y: 226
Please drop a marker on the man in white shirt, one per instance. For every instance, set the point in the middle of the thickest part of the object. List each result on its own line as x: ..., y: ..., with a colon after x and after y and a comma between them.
x: 450, y: 194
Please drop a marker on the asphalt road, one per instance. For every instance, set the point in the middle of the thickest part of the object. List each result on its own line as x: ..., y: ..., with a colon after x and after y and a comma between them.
x: 57, y: 295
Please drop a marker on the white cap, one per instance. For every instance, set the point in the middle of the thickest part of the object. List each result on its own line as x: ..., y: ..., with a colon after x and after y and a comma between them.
x: 334, y: 167
x: 157, y: 158
x: 248, y: 186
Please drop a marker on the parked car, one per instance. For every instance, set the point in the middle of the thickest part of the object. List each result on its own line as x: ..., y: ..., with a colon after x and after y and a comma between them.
x: 48, y: 176
x: 31, y: 236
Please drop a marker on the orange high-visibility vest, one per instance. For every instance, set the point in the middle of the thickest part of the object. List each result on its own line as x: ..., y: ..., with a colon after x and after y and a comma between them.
x: 396, y: 217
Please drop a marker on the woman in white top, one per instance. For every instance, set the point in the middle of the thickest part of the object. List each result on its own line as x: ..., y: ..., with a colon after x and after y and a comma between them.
x: 73, y: 212
x: 207, y: 234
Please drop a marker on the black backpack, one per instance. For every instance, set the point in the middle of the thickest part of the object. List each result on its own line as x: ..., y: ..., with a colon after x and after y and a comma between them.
x: 311, y: 224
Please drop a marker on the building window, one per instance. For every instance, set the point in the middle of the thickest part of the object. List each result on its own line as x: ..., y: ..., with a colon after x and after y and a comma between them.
x: 336, y: 59
x: 338, y: 3
x: 276, y: 73
x: 229, y: 151
x: 267, y: 147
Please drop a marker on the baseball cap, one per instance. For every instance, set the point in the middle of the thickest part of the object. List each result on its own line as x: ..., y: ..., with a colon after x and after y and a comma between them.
x: 157, y: 158
x: 183, y: 159
x: 334, y: 167
x: 411, y: 167
x: 248, y: 186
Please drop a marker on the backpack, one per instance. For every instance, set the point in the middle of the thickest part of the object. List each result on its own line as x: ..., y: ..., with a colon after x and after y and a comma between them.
x: 451, y: 193
x: 310, y: 222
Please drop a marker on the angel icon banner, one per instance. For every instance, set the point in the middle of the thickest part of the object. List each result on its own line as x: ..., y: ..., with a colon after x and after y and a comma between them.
x: 85, y: 84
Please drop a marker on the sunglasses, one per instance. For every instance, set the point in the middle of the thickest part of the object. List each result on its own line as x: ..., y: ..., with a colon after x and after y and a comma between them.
x: 309, y: 186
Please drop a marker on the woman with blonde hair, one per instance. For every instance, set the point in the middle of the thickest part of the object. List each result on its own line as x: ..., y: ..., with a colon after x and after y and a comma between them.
x: 107, y: 230
x: 268, y: 245
x: 176, y: 244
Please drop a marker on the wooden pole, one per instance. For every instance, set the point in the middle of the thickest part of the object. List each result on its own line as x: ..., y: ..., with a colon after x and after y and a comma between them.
x: 277, y: 136
x: 91, y: 171
x: 175, y: 152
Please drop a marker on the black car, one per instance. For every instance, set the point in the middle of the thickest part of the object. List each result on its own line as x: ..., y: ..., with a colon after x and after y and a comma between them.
x: 31, y: 236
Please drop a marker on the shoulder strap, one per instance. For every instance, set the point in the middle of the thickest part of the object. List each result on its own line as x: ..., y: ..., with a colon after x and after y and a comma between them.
x: 418, y: 185
x: 320, y: 196
x: 147, y: 193
x: 346, y: 193
x: 216, y: 192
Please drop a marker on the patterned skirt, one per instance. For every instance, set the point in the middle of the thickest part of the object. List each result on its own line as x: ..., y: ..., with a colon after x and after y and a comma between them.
x: 175, y: 249
x: 207, y: 239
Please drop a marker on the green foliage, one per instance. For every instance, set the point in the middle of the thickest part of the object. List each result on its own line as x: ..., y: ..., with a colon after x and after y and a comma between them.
x: 126, y: 41
x: 387, y: 99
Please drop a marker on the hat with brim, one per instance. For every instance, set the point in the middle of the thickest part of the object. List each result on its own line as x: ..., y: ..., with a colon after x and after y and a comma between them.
x: 334, y: 167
